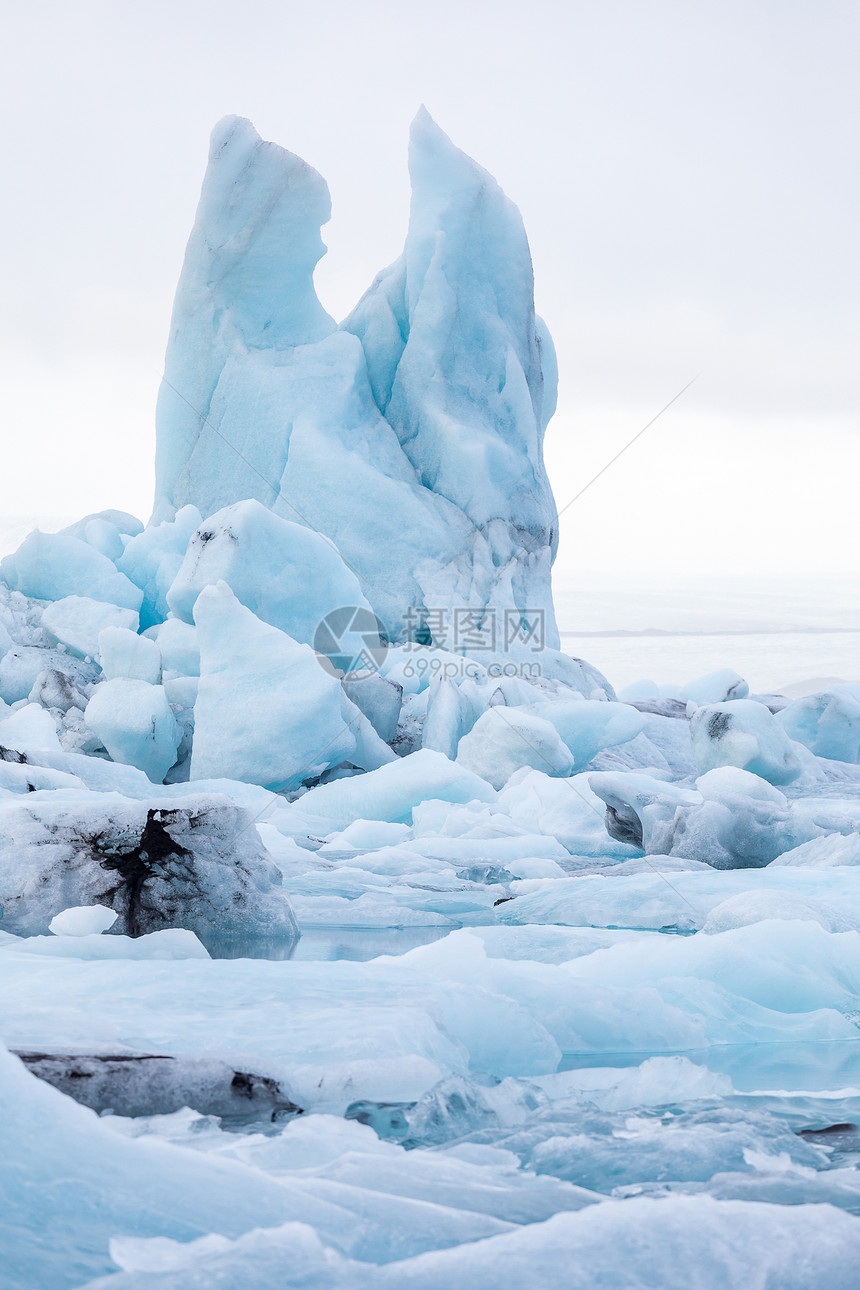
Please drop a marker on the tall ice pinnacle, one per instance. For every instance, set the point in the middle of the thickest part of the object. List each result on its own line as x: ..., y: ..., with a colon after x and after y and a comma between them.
x: 412, y: 436
x: 246, y: 285
x: 459, y: 364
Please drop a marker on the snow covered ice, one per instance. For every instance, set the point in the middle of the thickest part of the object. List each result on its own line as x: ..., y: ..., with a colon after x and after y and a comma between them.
x: 352, y: 934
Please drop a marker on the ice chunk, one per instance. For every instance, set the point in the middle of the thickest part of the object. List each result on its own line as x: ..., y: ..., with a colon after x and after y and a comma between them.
x: 21, y: 667
x: 83, y: 920
x: 379, y: 699
x: 732, y: 819
x: 152, y: 559
x: 98, y: 773
x: 659, y: 1081
x: 53, y: 689
x: 267, y: 711
x: 671, y: 737
x: 639, y: 691
x: 828, y: 723
x: 196, y: 864
x: 828, y: 851
x: 68, y: 1189
x: 743, y: 733
x: 23, y: 777
x: 120, y: 521
x: 391, y: 792
x: 636, y: 1245
x: 6, y: 641
x: 416, y: 667
x: 365, y: 835
x: 135, y: 722
x: 125, y: 655
x: 452, y: 710
x: 565, y: 809
x: 749, y: 907
x: 178, y: 644
x: 29, y: 728
x: 286, y: 574
x: 50, y: 566
x: 138, y: 1084
x: 76, y: 621
x: 505, y: 739
x: 170, y: 943
x: 588, y: 725
x: 640, y: 810
x: 716, y: 687
x: 250, y: 343
x: 535, y: 867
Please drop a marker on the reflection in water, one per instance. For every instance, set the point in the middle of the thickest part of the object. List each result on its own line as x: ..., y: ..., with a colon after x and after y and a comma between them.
x: 327, y: 944
x: 362, y: 943
x: 812, y: 1066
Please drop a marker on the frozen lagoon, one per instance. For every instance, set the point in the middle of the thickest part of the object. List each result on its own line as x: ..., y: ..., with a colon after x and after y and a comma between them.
x: 576, y: 998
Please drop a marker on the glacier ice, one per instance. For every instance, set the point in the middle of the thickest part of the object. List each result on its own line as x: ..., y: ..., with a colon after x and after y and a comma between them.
x: 827, y: 850
x: 29, y: 728
x: 152, y: 559
x: 717, y: 687
x: 177, y: 642
x: 392, y: 791
x: 285, y: 573
x: 77, y: 621
x: 134, y: 721
x: 266, y: 711
x: 827, y: 723
x: 22, y: 667
x: 52, y: 566
x: 757, y: 906
x: 734, y: 1245
x: 351, y: 438
x: 192, y: 863
x: 83, y: 920
x: 741, y: 732
x: 380, y: 699
x: 500, y: 742
x: 69, y: 1185
x: 565, y: 987
x: 124, y: 655
x: 729, y: 818
x: 144, y: 1084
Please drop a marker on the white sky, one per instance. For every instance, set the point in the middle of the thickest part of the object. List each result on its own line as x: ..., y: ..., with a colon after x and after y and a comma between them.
x: 688, y: 176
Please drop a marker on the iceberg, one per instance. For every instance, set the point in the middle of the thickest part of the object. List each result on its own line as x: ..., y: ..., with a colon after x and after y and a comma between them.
x: 433, y: 491
x: 351, y: 934
x: 194, y: 864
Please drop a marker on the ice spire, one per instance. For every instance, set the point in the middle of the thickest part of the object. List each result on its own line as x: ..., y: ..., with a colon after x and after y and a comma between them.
x: 459, y: 364
x: 246, y: 285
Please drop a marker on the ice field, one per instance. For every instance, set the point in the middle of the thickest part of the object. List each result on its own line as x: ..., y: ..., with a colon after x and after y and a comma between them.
x: 362, y: 926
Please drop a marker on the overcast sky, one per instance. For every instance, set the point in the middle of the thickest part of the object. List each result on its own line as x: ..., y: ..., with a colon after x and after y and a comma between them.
x: 688, y: 174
